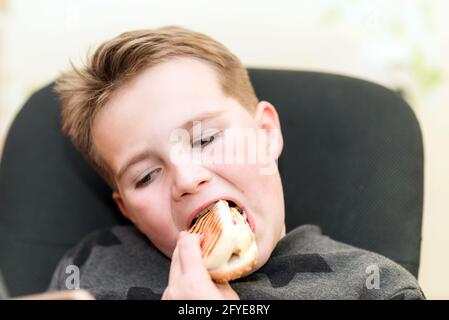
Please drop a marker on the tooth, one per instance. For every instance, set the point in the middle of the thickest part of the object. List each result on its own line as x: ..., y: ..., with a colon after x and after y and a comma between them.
x: 204, y: 211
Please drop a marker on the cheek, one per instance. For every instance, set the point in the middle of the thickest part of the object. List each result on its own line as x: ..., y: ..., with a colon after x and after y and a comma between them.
x: 251, y: 182
x: 140, y: 202
x: 153, y: 218
x: 263, y: 191
x: 148, y: 209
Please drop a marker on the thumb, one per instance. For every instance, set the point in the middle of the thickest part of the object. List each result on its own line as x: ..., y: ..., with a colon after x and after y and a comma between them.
x: 190, y: 255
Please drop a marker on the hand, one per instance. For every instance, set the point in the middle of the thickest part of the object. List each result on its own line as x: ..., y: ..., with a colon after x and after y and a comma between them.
x: 189, y: 278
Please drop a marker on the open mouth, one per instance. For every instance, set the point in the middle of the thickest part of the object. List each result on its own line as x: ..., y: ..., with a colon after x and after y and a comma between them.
x: 231, y: 204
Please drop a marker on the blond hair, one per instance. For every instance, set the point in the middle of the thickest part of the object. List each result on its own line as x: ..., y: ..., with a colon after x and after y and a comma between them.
x: 84, y: 91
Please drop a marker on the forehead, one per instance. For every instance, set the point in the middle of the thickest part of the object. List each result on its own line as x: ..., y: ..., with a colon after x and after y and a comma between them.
x: 155, y: 103
x: 176, y: 84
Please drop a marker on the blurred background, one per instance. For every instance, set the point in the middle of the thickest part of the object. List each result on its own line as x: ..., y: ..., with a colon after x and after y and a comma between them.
x: 397, y: 43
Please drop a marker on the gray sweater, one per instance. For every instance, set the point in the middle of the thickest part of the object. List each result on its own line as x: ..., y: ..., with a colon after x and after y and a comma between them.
x: 121, y: 263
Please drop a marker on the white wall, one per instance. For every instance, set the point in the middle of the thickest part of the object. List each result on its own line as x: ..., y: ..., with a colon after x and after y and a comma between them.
x: 400, y: 44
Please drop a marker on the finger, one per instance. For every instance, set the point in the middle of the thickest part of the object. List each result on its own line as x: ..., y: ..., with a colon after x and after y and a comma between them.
x: 190, y: 257
x: 175, y: 267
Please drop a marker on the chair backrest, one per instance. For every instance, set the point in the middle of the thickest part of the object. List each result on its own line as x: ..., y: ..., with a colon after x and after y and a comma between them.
x: 352, y: 163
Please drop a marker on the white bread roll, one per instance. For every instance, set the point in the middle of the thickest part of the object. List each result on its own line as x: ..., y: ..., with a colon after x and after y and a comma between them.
x: 229, y: 246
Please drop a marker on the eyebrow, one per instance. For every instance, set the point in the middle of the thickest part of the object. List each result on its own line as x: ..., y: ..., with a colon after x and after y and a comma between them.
x: 146, y: 153
x: 136, y: 158
x: 201, y: 117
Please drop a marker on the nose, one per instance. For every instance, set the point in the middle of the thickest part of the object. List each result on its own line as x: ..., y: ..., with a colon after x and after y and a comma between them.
x: 188, y: 179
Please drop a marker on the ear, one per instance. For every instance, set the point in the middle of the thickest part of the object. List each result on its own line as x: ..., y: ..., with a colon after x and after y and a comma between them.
x: 267, y: 118
x: 121, y: 205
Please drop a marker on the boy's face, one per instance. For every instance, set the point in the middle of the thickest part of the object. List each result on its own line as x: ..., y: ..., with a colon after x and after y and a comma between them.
x: 161, y: 196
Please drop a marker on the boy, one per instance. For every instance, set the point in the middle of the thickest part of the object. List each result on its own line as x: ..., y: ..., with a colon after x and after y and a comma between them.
x: 137, y: 95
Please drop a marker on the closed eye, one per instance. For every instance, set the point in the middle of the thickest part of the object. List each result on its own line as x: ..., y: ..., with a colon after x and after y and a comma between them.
x: 205, y: 140
x: 147, y: 179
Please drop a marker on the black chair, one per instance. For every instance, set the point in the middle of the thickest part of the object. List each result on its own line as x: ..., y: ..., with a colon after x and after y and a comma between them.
x: 352, y: 163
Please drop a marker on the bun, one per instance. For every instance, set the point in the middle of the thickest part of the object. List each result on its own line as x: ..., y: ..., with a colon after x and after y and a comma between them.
x: 229, y: 246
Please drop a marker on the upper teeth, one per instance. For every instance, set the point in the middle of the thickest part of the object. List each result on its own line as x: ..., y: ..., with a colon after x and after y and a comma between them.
x: 204, y: 211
